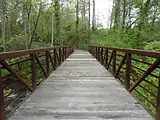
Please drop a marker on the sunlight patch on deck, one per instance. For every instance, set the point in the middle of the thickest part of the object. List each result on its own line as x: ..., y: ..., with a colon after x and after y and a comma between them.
x: 83, y: 54
x: 89, y: 59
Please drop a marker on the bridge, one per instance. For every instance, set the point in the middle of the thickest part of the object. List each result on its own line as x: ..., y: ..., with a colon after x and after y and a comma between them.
x: 63, y: 83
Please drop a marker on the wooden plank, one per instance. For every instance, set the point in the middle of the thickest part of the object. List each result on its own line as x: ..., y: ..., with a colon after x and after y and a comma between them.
x: 78, y: 92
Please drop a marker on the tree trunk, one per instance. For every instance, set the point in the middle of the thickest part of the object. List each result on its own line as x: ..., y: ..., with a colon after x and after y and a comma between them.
x: 57, y: 20
x: 93, y: 19
x: 77, y: 22
x: 89, y: 20
x: 35, y: 26
x: 3, y: 3
x: 117, y: 14
x: 25, y: 23
x: 124, y: 14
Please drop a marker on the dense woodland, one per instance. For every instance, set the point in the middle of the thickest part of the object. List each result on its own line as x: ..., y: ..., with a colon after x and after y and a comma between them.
x: 29, y: 24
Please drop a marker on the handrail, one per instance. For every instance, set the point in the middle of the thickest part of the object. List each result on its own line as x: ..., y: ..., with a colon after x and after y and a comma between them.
x: 13, y: 54
x: 22, y: 71
x: 133, y: 51
x: 137, y: 70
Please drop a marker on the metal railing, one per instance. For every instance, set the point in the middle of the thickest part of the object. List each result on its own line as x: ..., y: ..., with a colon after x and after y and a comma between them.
x: 22, y: 71
x: 137, y: 70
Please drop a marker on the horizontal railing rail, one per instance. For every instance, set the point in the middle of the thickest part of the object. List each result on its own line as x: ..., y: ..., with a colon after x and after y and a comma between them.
x: 22, y: 71
x: 137, y: 70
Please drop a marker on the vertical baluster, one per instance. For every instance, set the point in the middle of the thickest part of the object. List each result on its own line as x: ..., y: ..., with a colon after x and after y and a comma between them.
x: 63, y: 53
x: 55, y: 57
x: 47, y: 62
x: 33, y: 71
x: 128, y: 71
x: 102, y: 61
x: 98, y: 54
x: 158, y: 101
x: 2, y: 107
x: 114, y: 62
x: 106, y: 57
x: 60, y: 56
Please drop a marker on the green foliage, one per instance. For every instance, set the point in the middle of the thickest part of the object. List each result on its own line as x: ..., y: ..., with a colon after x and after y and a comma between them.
x: 153, y: 46
x: 17, y: 43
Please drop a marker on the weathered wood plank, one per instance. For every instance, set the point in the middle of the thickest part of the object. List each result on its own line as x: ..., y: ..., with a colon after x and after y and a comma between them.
x: 81, y: 89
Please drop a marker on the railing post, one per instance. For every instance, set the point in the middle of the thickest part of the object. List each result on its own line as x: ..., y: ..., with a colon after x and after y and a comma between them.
x: 55, y: 57
x: 47, y: 63
x: 60, y: 56
x: 2, y: 107
x: 33, y: 71
x: 102, y: 61
x: 66, y: 52
x: 158, y: 101
x: 114, y: 62
x: 98, y: 54
x: 106, y: 57
x: 128, y: 71
x: 63, y: 53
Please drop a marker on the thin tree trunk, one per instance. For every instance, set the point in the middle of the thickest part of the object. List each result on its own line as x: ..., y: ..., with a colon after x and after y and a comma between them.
x: 77, y: 22
x: 124, y: 14
x: 25, y: 23
x: 35, y: 26
x: 3, y: 4
x: 117, y: 14
x: 89, y: 20
x: 57, y: 19
x: 93, y: 19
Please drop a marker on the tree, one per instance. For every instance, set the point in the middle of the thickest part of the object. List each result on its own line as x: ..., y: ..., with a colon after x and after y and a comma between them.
x: 94, y: 17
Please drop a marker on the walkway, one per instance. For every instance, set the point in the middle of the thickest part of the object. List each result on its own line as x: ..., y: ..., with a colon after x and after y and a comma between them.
x: 83, y: 89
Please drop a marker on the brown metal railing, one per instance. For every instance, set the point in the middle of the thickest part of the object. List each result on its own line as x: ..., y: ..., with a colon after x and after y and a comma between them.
x: 22, y: 71
x: 137, y: 70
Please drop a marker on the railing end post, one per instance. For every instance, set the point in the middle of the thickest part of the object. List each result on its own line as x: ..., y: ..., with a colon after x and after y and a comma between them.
x: 158, y: 101
x: 128, y: 71
x: 33, y: 71
x: 2, y: 106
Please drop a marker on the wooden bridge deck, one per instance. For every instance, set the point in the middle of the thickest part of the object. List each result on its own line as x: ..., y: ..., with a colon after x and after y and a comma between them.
x: 81, y: 88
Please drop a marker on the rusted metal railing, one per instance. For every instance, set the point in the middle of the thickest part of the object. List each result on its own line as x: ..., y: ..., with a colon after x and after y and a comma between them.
x: 137, y: 70
x: 22, y: 71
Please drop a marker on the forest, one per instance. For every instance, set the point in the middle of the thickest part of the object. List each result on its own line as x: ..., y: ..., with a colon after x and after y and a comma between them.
x: 27, y: 24
x: 31, y: 24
